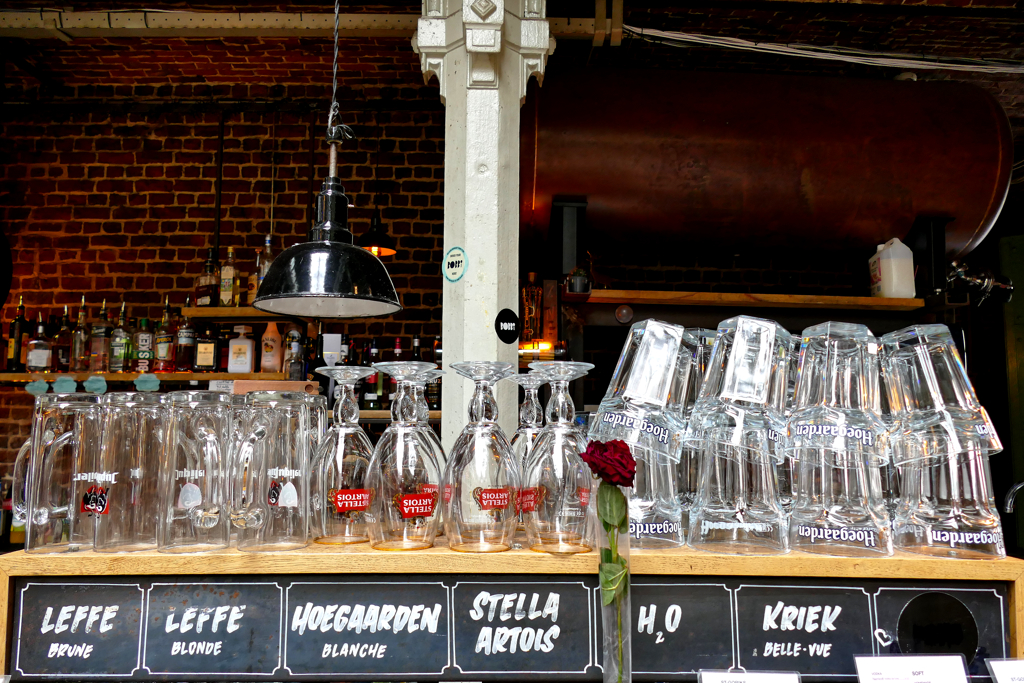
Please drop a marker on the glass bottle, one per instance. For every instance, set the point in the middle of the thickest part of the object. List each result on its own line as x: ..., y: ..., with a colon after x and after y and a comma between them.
x: 263, y: 260
x: 482, y: 478
x: 404, y: 477
x: 80, y: 342
x: 340, y: 498
x: 120, y: 343
x: 60, y: 356
x: 294, y: 365
x: 185, y: 343
x: 99, y: 342
x: 556, y: 482
x: 270, y: 359
x: 371, y: 399
x: 163, y: 358
x: 15, y: 331
x: 395, y: 358
x: 38, y: 355
x: 320, y: 362
x: 207, y: 354
x: 434, y: 387
x: 532, y: 311
x: 227, y: 279
x: 207, y: 281
x: 142, y: 348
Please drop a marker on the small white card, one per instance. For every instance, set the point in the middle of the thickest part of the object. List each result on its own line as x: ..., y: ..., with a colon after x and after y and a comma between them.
x: 711, y: 676
x: 1006, y: 670
x: 226, y: 385
x: 911, y: 669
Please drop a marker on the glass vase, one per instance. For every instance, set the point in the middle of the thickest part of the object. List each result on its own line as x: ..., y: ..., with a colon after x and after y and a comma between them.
x: 615, y: 609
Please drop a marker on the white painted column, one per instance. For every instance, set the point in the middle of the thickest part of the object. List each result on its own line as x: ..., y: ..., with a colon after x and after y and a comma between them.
x: 483, y: 53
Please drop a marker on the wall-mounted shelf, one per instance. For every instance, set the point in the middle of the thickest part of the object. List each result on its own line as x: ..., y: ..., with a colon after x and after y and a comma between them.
x: 866, y: 303
x: 228, y: 313
x: 132, y: 376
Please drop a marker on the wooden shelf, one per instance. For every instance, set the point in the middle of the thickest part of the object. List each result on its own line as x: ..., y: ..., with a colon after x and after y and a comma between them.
x: 132, y: 376
x: 361, y: 559
x: 386, y: 414
x: 866, y: 303
x: 228, y: 313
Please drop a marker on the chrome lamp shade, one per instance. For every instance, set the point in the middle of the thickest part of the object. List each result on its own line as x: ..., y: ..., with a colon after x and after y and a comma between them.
x: 328, y: 276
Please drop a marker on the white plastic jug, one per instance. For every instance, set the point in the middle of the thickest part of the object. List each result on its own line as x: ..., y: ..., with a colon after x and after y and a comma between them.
x: 892, y: 270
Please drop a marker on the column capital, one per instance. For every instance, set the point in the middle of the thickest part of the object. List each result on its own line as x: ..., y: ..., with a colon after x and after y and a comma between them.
x: 477, y: 31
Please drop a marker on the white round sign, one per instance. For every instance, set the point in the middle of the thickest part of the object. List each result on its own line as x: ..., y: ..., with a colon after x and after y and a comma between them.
x: 455, y: 264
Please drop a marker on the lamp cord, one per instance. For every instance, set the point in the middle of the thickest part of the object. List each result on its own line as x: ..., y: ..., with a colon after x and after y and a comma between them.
x: 334, y: 75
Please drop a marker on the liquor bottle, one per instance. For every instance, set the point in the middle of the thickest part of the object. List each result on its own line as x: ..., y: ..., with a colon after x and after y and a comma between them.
x: 163, y: 359
x: 272, y: 353
x: 52, y: 326
x: 434, y: 388
x: 38, y: 356
x: 185, y: 345
x: 263, y: 261
x: 532, y: 312
x: 227, y: 279
x: 99, y: 343
x: 345, y: 356
x: 80, y: 342
x: 371, y: 399
x: 238, y: 290
x: 120, y: 344
x: 15, y: 331
x: 60, y: 352
x: 358, y: 355
x: 294, y: 363
x: 142, y: 348
x: 319, y: 362
x: 397, y: 358
x: 206, y: 351
x: 417, y: 352
x: 206, y: 283
x: 223, y: 348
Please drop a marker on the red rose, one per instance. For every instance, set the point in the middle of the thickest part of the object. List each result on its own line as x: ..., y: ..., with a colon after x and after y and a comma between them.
x: 611, y: 461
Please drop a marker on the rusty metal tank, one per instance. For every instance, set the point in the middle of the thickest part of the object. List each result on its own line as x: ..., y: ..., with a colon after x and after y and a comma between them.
x: 764, y: 160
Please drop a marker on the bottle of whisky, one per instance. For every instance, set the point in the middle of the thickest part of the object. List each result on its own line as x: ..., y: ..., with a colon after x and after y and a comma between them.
x: 206, y: 283
x: 207, y: 353
x: 228, y: 282
x: 80, y: 342
x: 17, y: 329
x: 185, y: 346
x: 60, y: 351
x: 38, y: 355
x: 434, y: 388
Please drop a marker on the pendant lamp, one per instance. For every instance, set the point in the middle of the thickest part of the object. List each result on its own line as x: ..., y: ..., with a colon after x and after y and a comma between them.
x: 376, y: 240
x: 328, y: 276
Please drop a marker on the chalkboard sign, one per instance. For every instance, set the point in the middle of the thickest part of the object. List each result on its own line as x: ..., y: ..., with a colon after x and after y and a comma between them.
x: 355, y: 628
x: 213, y: 628
x: 525, y: 627
x: 678, y: 628
x: 91, y: 629
x: 813, y: 629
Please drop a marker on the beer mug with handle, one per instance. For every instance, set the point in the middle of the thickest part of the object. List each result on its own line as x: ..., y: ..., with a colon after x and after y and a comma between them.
x: 62, y: 492
x: 270, y: 502
x: 197, y: 440
x: 134, y: 425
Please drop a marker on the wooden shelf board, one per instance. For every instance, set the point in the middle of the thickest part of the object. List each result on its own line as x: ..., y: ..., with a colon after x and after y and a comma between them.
x: 361, y: 559
x: 132, y: 376
x: 629, y: 296
x: 228, y: 313
x: 386, y: 414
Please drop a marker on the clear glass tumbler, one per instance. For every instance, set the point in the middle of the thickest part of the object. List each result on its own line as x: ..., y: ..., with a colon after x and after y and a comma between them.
x: 482, y: 478
x: 557, y: 484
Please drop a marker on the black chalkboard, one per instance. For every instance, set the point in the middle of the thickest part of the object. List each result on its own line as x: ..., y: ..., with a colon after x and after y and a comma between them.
x: 813, y: 629
x: 678, y: 628
x: 523, y: 627
x: 215, y: 628
x: 66, y: 629
x: 334, y: 628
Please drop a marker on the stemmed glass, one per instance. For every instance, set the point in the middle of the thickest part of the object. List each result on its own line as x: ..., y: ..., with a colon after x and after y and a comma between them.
x: 556, y: 481
x: 339, y: 498
x: 482, y: 477
x: 404, y: 475
x: 531, y: 414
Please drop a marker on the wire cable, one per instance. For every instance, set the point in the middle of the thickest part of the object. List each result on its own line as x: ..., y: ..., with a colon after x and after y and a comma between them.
x: 334, y: 73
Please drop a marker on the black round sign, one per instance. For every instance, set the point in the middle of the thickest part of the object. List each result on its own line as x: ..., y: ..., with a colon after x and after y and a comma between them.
x: 507, y: 326
x: 937, y: 623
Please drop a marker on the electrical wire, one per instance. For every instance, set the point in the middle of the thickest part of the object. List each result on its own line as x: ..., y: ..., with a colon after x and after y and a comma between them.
x: 334, y: 73
x: 840, y: 54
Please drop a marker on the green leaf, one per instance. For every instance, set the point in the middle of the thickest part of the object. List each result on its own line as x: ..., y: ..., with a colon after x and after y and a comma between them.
x: 606, y: 555
x: 611, y: 505
x: 614, y: 579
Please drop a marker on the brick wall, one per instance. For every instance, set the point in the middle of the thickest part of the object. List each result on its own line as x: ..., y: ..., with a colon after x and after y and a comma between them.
x: 109, y: 171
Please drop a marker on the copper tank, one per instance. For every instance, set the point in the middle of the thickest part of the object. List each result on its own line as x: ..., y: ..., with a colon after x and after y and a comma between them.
x: 764, y: 161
